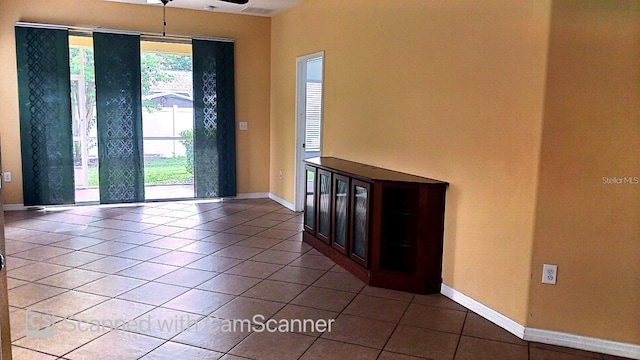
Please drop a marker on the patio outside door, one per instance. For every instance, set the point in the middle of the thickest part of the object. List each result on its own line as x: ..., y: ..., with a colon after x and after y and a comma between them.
x: 309, y: 89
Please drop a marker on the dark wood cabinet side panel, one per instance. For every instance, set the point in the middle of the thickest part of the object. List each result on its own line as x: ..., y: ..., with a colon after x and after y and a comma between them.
x: 376, y: 223
x: 402, y: 282
x: 423, y: 245
x: 434, y: 229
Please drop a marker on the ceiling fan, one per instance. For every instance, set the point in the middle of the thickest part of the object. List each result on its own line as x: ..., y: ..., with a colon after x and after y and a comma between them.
x: 164, y: 10
x: 165, y: 2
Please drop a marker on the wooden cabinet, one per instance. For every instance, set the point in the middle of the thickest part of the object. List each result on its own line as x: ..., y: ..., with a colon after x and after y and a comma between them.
x: 383, y: 226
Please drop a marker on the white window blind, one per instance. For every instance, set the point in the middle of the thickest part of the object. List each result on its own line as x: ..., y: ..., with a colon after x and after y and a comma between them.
x: 314, y: 116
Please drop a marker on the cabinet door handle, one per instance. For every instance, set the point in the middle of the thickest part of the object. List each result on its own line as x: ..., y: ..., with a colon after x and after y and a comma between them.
x: 2, y: 262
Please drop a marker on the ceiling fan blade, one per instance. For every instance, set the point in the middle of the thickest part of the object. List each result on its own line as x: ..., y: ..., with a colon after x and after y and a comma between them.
x: 240, y: 2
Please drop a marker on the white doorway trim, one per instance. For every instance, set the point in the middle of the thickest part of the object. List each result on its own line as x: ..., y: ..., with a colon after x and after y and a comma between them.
x: 300, y: 175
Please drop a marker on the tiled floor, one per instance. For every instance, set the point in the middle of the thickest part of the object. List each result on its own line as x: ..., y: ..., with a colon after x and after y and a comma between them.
x: 186, y: 269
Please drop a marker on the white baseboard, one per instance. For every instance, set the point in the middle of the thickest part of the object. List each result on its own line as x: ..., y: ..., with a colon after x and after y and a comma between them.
x: 543, y: 336
x: 484, y: 311
x: 282, y: 202
x: 582, y: 342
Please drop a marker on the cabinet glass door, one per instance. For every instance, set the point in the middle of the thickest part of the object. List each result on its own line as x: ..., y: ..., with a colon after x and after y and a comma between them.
x: 310, y: 199
x: 360, y: 222
x: 324, y: 205
x: 340, y: 214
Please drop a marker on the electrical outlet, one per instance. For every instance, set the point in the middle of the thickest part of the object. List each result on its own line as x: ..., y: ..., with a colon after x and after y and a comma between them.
x: 549, y: 274
x: 280, y: 174
x: 243, y: 125
x: 7, y: 177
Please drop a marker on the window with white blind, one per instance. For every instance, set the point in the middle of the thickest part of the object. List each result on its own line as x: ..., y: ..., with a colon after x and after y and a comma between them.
x: 313, y: 105
x: 314, y: 116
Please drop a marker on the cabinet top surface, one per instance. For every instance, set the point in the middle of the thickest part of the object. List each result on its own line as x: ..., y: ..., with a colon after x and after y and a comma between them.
x: 372, y: 173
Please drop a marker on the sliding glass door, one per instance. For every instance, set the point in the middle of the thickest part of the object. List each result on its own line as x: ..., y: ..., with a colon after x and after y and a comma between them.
x: 167, y: 120
x: 83, y: 115
x: 128, y: 120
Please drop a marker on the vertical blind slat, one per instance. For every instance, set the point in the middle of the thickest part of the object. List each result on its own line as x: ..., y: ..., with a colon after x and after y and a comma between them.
x: 119, y: 113
x: 45, y: 116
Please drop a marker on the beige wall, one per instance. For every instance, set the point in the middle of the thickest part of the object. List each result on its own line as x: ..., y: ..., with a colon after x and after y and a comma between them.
x: 252, y: 36
x: 446, y: 89
x: 591, y: 130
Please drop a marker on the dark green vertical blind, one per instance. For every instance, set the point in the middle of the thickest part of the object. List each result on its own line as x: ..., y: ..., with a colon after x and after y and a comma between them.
x: 45, y: 116
x: 214, y: 119
x: 119, y: 111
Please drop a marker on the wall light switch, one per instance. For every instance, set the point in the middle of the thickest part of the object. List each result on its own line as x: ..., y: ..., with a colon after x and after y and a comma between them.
x: 7, y: 177
x: 244, y: 125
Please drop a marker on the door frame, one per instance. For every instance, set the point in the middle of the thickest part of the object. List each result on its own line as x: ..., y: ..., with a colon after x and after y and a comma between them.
x: 301, y: 108
x: 5, y: 329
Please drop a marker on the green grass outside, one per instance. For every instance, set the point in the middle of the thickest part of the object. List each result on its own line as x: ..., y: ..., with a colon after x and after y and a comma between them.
x: 163, y: 171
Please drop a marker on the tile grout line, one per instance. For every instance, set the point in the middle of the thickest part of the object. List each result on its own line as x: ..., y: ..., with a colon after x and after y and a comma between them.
x: 396, y: 325
x: 466, y: 315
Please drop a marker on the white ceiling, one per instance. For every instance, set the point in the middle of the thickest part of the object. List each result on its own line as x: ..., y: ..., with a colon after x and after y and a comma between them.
x: 250, y: 8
